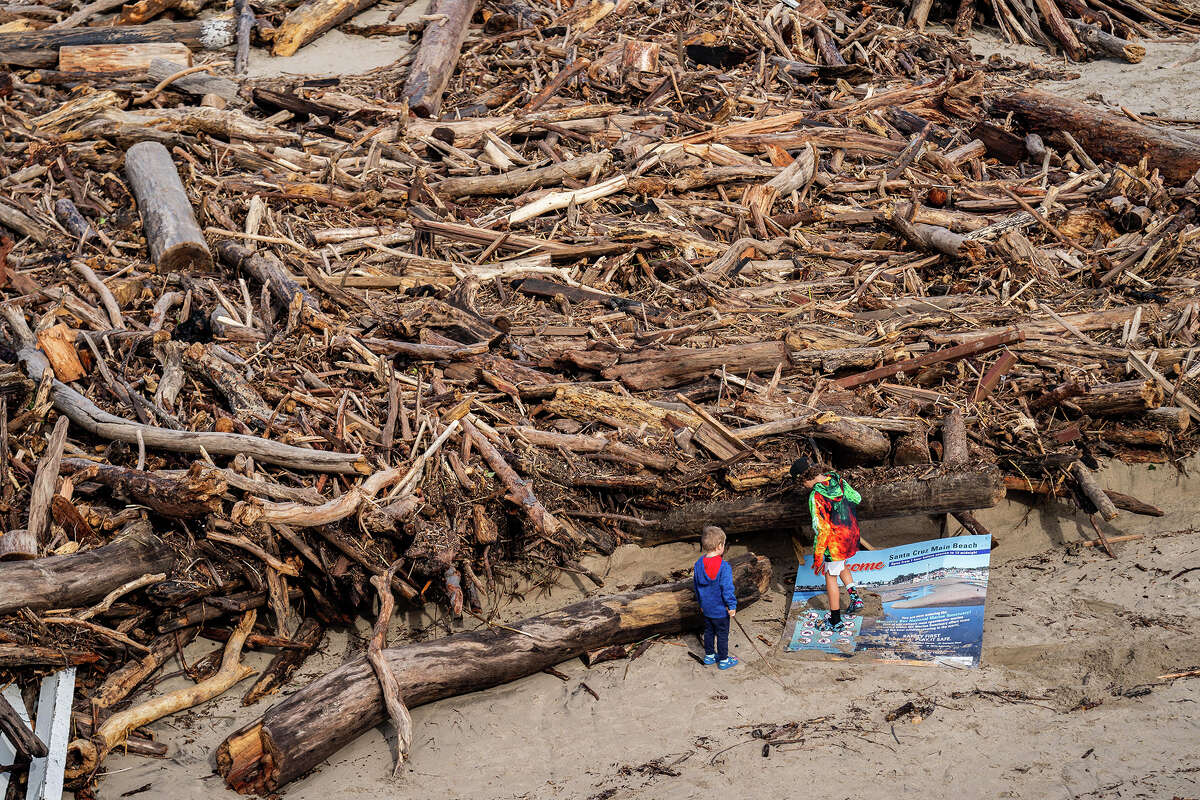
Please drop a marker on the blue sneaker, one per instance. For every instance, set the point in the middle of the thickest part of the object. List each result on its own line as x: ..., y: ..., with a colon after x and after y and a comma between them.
x: 826, y: 626
x: 710, y: 659
x: 856, y: 602
x: 726, y: 663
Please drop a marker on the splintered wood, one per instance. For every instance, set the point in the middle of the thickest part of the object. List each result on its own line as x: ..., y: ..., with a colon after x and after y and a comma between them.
x: 564, y: 276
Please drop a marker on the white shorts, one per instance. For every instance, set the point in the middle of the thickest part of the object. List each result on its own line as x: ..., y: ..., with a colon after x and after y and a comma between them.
x: 834, y: 568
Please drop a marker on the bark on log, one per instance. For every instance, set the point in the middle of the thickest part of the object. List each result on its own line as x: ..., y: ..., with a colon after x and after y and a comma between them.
x: 285, y: 663
x: 679, y: 365
x: 437, y: 56
x: 1104, y: 42
x: 20, y: 736
x: 517, y: 181
x: 40, y: 48
x: 1087, y: 482
x: 912, y: 448
x: 104, y: 58
x: 946, y: 491
x: 175, y: 241
x: 954, y: 439
x: 1126, y: 397
x: 268, y: 271
x: 1107, y: 136
x: 82, y: 578
x: 1058, y: 26
x: 1170, y: 418
x: 196, y: 494
x: 297, y: 734
x: 579, y: 443
x: 310, y: 20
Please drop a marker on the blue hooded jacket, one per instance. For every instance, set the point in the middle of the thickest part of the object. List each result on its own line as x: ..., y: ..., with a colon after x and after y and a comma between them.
x: 716, y: 595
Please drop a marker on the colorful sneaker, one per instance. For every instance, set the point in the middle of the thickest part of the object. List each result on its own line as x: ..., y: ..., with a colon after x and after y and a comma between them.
x: 825, y: 626
x: 710, y: 659
x: 726, y: 663
x: 856, y: 602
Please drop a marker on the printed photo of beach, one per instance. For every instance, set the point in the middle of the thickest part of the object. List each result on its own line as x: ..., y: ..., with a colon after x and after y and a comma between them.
x: 931, y: 602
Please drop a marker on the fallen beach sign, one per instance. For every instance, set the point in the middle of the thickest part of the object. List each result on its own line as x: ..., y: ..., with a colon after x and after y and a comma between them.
x: 930, y: 604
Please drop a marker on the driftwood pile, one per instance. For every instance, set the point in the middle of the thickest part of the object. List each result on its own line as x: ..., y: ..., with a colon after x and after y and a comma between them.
x: 274, y: 348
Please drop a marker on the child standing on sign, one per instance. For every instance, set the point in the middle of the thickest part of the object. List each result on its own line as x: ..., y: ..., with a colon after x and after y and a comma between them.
x: 713, y: 581
x: 835, y: 536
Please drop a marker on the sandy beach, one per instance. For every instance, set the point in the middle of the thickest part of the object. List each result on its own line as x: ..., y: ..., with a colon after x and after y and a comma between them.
x: 1074, y: 645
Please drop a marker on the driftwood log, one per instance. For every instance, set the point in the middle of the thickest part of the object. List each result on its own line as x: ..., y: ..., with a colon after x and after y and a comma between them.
x: 1104, y: 42
x: 195, y: 493
x: 437, y: 56
x: 175, y: 240
x: 106, y: 58
x: 1105, y: 135
x: 1115, y: 399
x: 310, y: 20
x: 312, y: 724
x: 82, y: 578
x: 40, y: 48
x: 887, y: 495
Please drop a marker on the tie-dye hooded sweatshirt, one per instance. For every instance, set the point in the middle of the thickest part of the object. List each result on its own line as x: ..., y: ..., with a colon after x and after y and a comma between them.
x: 835, y: 528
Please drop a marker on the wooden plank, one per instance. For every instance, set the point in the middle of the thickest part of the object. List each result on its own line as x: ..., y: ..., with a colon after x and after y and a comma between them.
x: 53, y: 726
x: 987, y: 384
x: 103, y: 58
x: 949, y: 354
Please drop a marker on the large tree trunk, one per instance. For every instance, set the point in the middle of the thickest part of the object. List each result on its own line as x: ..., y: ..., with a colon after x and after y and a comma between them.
x: 82, y: 578
x: 1107, y: 136
x: 437, y: 56
x: 946, y: 491
x: 297, y: 734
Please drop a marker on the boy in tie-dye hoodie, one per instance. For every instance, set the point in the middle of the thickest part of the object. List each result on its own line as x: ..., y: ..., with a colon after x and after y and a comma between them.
x: 835, y: 535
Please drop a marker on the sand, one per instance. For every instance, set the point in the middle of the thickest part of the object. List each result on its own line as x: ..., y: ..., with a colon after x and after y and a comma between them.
x: 1066, y: 704
x: 1072, y: 640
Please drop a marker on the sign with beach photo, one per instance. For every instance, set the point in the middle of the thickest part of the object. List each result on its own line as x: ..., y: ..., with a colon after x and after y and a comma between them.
x: 924, y: 604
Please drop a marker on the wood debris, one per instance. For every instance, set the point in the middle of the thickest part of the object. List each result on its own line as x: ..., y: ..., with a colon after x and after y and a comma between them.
x: 284, y: 344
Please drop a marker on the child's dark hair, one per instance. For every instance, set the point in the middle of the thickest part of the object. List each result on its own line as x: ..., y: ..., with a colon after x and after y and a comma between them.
x: 806, y: 469
x: 711, y: 537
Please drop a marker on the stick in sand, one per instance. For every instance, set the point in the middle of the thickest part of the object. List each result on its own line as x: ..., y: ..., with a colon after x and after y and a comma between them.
x: 765, y: 660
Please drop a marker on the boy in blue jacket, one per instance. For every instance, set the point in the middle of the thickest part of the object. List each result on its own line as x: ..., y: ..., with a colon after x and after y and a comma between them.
x: 713, y: 581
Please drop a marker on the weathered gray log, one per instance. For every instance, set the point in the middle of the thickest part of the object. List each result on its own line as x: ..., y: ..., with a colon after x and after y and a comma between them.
x: 437, y: 56
x: 517, y: 181
x: 197, y: 84
x: 83, y: 578
x: 1104, y: 42
x: 297, y: 734
x: 884, y: 496
x: 175, y: 240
